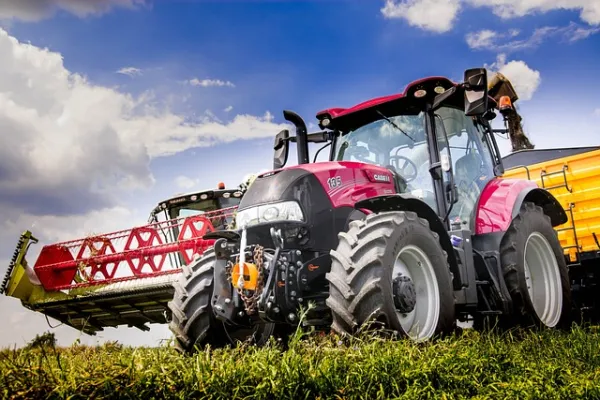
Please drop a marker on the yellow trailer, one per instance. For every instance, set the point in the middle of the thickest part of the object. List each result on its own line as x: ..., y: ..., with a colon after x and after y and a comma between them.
x: 572, y: 175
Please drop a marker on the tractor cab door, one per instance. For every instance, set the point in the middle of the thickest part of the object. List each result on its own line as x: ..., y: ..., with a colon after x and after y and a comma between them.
x: 464, y: 146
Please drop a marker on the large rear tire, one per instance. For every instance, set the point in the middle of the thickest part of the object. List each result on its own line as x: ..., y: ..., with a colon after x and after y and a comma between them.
x: 372, y: 255
x: 535, y: 271
x: 193, y: 322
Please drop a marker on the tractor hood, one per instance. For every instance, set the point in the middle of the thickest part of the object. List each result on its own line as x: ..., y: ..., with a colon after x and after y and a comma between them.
x: 329, y: 181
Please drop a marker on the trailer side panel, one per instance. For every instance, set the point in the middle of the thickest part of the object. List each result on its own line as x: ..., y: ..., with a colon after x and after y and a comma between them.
x: 573, y: 177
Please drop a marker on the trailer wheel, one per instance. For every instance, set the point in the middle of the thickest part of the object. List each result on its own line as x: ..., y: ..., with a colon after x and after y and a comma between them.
x: 535, y: 270
x: 390, y: 268
x: 193, y: 322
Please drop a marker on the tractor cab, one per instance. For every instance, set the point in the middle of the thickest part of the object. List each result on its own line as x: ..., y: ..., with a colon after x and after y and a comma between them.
x: 400, y: 143
x: 435, y: 138
x: 199, y: 203
x: 217, y: 205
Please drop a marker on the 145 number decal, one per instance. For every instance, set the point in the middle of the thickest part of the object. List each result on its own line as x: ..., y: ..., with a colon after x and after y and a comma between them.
x: 334, y: 182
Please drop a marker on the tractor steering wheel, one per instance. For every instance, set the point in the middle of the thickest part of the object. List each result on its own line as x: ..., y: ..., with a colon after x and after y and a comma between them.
x: 407, y: 161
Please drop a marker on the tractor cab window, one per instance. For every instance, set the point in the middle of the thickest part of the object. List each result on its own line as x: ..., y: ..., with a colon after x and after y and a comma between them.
x: 204, y: 206
x: 399, y: 144
x: 472, y: 163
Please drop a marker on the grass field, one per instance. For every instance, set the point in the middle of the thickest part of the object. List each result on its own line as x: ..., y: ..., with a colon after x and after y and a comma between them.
x: 526, y: 365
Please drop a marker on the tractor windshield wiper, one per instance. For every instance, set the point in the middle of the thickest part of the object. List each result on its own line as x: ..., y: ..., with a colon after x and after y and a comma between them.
x: 394, y: 125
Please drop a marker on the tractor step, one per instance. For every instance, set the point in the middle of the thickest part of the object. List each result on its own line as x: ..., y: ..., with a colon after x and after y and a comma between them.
x: 316, y: 322
x: 490, y: 312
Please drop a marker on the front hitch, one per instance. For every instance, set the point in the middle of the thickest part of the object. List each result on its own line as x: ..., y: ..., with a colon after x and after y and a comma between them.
x: 239, y: 276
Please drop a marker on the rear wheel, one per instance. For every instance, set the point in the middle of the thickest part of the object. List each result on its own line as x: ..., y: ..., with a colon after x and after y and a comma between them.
x: 535, y: 271
x: 390, y: 268
x: 193, y: 322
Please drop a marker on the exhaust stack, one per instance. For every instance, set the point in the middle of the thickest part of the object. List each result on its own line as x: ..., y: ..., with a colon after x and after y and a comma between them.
x: 301, y: 135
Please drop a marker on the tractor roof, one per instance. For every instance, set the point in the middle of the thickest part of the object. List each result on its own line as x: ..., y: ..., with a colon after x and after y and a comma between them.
x: 346, y: 119
x: 335, y: 113
x: 191, y: 197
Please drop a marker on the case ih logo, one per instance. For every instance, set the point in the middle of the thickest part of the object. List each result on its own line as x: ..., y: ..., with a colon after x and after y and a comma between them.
x: 381, y: 177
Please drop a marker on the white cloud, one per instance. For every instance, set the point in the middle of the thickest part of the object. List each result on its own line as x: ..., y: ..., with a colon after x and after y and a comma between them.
x: 55, y: 228
x: 496, y: 41
x: 597, y: 112
x: 209, y: 82
x: 130, y: 71
x: 228, y: 108
x: 482, y: 39
x: 524, y: 79
x: 433, y: 15
x: 186, y: 183
x: 35, y: 10
x: 440, y: 15
x: 69, y: 145
x: 589, y: 9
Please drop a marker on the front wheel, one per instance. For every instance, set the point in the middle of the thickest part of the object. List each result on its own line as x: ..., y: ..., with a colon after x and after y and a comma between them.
x: 390, y: 268
x: 535, y: 271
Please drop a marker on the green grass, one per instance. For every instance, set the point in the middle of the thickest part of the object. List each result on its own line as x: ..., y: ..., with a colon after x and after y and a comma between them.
x: 543, y: 365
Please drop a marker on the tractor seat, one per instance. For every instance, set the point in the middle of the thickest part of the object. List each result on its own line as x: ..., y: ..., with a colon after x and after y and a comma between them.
x: 466, y: 178
x: 468, y: 168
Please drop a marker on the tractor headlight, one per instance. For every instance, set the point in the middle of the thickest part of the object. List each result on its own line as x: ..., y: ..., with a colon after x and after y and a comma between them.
x: 284, y: 211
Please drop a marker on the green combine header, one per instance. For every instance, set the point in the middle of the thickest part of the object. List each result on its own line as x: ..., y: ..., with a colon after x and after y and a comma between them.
x: 123, y: 277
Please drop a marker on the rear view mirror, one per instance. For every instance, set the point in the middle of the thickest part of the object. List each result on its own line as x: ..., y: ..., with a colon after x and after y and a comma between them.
x: 281, y: 149
x: 476, y: 91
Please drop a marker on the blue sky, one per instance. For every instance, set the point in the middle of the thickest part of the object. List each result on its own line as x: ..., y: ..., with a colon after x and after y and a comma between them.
x: 203, y: 85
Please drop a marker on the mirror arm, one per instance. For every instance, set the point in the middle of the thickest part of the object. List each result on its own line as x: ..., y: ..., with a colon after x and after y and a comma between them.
x: 442, y: 97
x: 317, y: 137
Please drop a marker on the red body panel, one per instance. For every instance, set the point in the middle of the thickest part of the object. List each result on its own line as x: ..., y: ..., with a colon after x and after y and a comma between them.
x: 496, y: 203
x: 357, y: 181
x: 338, y: 112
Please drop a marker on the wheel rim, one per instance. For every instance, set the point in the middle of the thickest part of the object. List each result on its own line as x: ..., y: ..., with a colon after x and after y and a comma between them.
x: 421, y: 322
x: 543, y: 280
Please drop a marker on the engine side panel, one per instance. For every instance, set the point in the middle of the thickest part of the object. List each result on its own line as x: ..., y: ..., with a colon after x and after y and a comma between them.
x: 496, y: 203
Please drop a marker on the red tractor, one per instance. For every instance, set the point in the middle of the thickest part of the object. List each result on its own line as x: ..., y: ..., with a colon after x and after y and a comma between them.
x: 409, y: 225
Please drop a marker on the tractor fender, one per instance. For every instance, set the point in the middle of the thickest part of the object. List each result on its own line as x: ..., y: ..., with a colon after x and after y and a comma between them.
x: 501, y: 200
x: 544, y: 199
x: 407, y: 202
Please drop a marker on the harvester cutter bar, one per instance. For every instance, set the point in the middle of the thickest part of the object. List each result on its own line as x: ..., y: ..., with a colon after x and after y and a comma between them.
x: 134, y: 303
